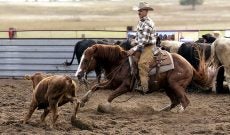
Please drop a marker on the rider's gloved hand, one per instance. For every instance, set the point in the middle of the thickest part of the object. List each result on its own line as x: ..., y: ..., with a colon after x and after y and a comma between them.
x: 130, y: 52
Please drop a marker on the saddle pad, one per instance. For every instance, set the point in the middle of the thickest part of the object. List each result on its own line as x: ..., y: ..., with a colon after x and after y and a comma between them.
x: 165, y: 59
x: 166, y: 65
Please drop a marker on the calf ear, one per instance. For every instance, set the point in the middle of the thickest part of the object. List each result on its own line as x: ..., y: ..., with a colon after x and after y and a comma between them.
x: 27, y: 77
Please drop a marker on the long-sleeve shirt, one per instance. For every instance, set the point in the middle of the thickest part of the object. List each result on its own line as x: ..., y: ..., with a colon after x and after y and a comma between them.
x: 145, y: 33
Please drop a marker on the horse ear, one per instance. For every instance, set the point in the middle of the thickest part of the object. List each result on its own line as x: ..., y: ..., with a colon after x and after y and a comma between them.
x: 94, y: 49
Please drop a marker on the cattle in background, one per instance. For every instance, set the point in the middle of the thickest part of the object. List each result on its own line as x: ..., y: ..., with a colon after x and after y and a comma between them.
x: 79, y: 48
x: 82, y: 45
x: 49, y: 93
x: 170, y: 46
x: 220, y: 56
x: 189, y: 51
x: 208, y: 38
x: 219, y: 87
x: 126, y: 44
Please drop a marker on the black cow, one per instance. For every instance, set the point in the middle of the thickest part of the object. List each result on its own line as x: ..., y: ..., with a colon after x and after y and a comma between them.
x: 208, y: 38
x: 189, y: 51
x: 126, y: 44
x: 79, y: 48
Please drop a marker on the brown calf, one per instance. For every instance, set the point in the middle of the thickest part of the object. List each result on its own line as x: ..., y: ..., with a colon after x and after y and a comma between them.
x: 36, y: 78
x: 51, y: 91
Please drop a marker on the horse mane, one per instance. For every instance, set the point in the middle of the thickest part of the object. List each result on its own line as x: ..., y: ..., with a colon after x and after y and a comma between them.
x: 109, y: 53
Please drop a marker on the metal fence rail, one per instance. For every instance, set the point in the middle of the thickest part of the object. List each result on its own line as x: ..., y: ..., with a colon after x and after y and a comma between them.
x: 62, y: 33
x: 66, y: 34
x: 27, y: 56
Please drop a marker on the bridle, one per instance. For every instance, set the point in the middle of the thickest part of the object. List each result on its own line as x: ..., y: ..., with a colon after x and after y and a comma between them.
x: 84, y: 80
x: 114, y: 71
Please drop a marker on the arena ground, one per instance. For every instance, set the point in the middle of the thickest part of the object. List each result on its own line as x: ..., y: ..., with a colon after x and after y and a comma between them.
x: 207, y: 114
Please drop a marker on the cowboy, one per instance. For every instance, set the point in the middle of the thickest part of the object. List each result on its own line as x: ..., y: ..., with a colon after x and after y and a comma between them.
x: 145, y: 36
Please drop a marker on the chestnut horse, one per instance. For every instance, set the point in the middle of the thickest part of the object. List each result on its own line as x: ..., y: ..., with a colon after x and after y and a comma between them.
x: 114, y: 61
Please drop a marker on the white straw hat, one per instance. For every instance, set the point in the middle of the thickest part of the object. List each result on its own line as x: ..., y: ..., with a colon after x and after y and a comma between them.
x: 144, y: 5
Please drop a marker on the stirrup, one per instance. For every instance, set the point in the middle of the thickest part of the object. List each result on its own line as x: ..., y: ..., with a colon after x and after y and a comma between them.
x: 141, y: 89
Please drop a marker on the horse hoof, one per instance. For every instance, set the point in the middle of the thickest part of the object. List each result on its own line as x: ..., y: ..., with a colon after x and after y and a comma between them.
x: 104, y: 108
x: 180, y: 109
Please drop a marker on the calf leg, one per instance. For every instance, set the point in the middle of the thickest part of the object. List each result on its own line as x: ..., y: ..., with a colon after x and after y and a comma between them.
x: 69, y: 98
x: 44, y: 114
x: 53, y: 103
x: 53, y: 108
x: 32, y: 107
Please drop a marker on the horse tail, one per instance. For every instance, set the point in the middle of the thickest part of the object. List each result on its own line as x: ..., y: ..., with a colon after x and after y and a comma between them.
x: 201, y: 76
x: 74, y: 52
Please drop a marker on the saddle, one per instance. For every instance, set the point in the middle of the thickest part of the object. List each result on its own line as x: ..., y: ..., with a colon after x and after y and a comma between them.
x: 161, y: 63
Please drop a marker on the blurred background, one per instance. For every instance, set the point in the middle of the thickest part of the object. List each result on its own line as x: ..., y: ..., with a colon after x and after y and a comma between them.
x: 57, y: 15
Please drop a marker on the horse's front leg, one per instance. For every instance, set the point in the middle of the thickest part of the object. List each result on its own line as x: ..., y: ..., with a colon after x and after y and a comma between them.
x: 106, y: 107
x: 76, y: 107
x: 104, y: 85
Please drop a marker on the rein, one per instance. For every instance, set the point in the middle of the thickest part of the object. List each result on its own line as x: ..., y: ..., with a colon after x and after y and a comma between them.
x: 115, y: 70
x: 85, y: 82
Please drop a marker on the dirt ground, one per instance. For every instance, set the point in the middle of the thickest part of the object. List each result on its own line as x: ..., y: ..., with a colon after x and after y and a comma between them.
x: 207, y: 114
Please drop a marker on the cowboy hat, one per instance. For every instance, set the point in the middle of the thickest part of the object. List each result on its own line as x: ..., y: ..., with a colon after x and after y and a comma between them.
x: 144, y: 5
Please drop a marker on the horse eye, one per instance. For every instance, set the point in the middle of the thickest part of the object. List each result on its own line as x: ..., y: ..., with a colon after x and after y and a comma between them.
x: 85, y: 61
